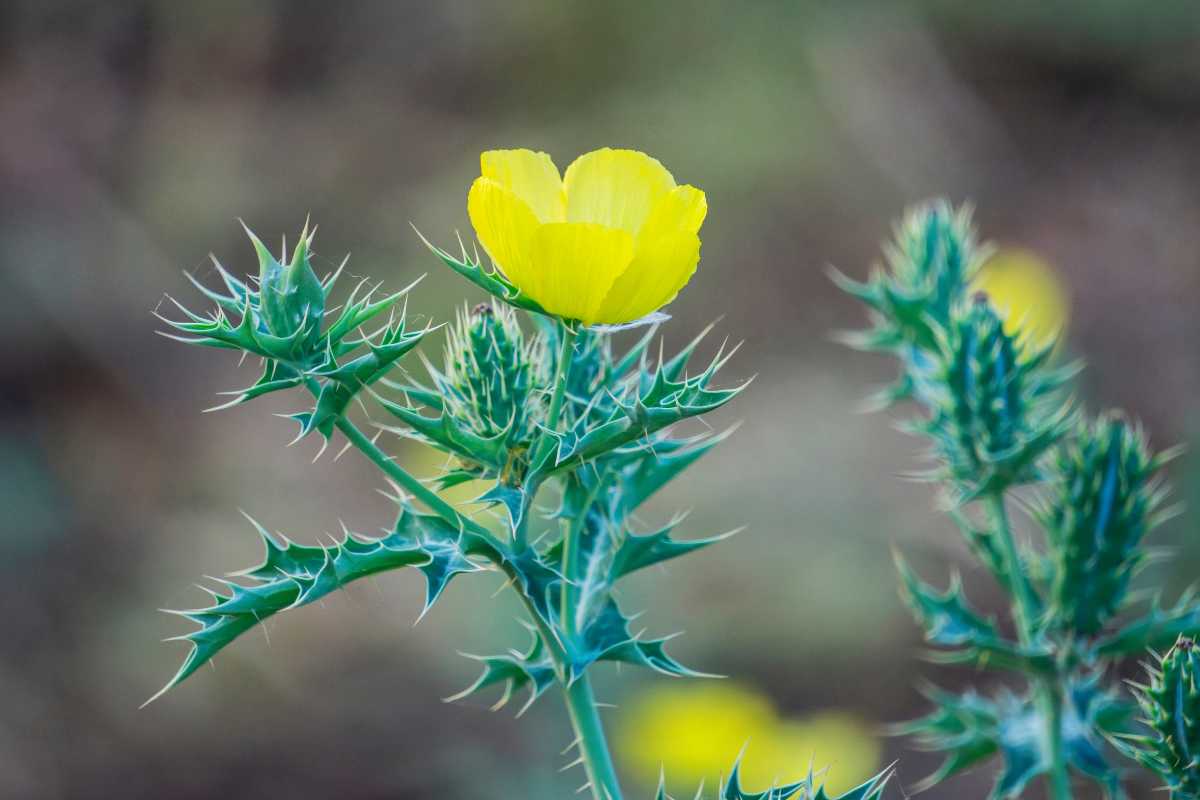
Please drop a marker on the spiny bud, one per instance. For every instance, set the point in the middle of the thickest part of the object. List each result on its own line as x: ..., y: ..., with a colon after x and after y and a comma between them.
x: 494, y: 376
x: 930, y: 262
x: 292, y: 298
x: 993, y: 418
x: 1171, y: 708
x: 1103, y: 502
x: 934, y: 257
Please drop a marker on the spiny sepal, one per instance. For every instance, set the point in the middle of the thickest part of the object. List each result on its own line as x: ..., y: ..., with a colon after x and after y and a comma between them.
x: 293, y: 575
x: 491, y: 281
x: 531, y: 670
x: 1170, y: 708
x: 970, y: 729
x: 1104, y: 498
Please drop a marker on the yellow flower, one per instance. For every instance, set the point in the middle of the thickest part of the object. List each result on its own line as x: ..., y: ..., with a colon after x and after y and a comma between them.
x: 612, y: 240
x: 694, y: 732
x: 1027, y: 293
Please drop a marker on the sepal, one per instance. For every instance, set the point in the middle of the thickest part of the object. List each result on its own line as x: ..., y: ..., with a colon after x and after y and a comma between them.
x: 491, y: 281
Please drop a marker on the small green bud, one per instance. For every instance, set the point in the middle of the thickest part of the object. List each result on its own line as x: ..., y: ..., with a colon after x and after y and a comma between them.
x: 292, y: 297
x: 1103, y: 503
x: 930, y: 262
x: 1171, y: 708
x: 495, y: 378
x: 994, y: 416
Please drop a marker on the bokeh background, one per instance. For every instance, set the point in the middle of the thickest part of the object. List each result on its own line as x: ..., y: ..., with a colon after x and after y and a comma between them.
x: 134, y: 134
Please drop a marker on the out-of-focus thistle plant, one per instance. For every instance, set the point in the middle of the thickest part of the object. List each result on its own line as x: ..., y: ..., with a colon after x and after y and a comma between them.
x: 554, y: 409
x: 996, y: 411
x: 1170, y: 706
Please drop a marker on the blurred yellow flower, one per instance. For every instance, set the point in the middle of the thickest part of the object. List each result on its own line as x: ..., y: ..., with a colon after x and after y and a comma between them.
x: 1027, y: 293
x: 612, y: 240
x: 695, y: 731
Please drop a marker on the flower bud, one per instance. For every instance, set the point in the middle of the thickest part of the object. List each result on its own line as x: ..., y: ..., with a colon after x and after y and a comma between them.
x: 292, y: 298
x: 1171, y: 708
x: 1103, y: 503
x: 494, y: 377
x: 994, y: 412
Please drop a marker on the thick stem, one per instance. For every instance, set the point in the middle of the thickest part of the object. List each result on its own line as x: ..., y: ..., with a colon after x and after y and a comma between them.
x: 1049, y: 687
x: 593, y: 747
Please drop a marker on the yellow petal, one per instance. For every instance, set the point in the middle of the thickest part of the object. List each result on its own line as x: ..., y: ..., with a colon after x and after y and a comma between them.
x: 660, y: 268
x: 576, y: 264
x: 531, y: 176
x: 505, y: 226
x: 617, y: 188
x: 681, y: 209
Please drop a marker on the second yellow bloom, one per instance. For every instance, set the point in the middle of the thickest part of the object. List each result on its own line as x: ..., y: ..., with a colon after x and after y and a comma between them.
x: 610, y: 241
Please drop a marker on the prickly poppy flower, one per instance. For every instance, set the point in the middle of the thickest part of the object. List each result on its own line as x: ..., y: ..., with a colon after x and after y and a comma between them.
x: 1028, y: 294
x: 611, y: 241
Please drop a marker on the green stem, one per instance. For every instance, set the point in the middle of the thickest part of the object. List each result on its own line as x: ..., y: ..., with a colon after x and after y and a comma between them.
x: 1050, y: 696
x: 1022, y: 590
x: 593, y: 747
x: 562, y: 371
x: 566, y: 355
x: 581, y: 702
x: 400, y: 475
x: 1049, y: 687
x: 443, y: 510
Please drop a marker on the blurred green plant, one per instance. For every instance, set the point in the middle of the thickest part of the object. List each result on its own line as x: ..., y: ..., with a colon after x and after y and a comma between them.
x: 1170, y: 705
x: 998, y: 418
x: 520, y: 413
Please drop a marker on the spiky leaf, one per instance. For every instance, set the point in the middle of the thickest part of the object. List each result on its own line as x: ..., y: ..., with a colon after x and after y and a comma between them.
x: 293, y: 575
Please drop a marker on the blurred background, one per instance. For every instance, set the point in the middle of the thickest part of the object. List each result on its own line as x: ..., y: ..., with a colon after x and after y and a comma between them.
x: 136, y: 133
